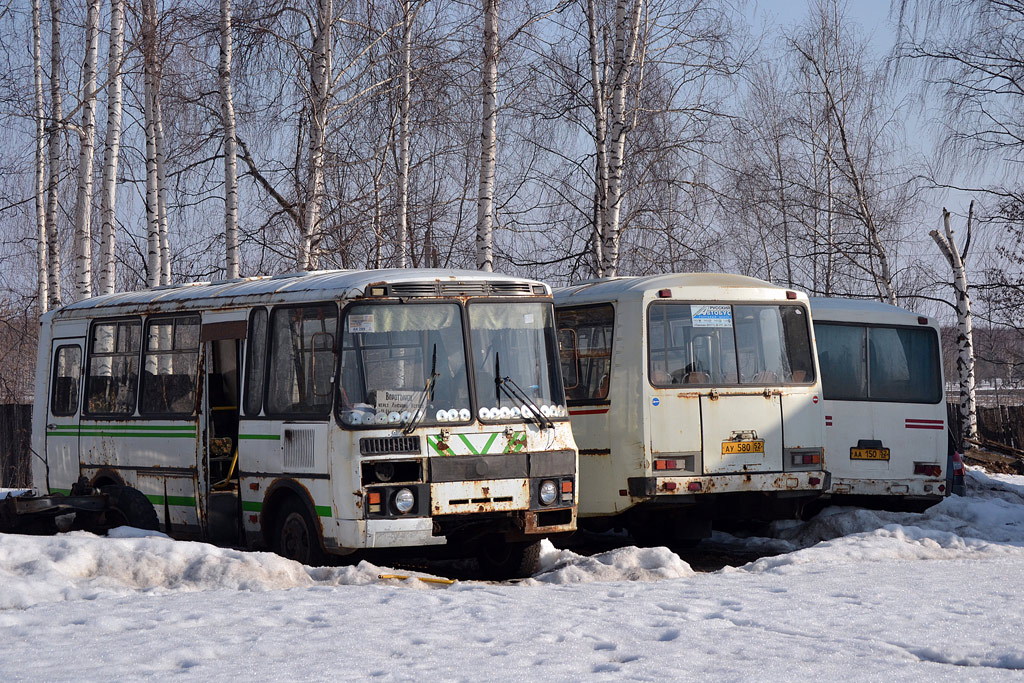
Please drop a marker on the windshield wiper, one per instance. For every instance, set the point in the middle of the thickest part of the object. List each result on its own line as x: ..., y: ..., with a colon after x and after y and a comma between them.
x: 516, y: 393
x: 428, y: 392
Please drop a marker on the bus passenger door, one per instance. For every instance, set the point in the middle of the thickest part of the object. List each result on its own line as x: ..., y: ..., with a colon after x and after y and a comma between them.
x: 219, y: 496
x: 65, y: 395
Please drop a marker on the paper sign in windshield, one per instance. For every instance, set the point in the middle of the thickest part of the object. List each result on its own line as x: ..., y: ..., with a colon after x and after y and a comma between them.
x: 360, y: 323
x: 397, y: 400
x: 711, y: 316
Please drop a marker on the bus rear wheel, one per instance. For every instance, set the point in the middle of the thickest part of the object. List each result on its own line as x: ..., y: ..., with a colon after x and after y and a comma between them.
x: 500, y: 560
x: 129, y: 507
x: 295, y: 535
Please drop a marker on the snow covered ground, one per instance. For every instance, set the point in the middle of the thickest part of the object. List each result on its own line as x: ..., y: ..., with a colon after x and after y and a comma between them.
x: 854, y: 595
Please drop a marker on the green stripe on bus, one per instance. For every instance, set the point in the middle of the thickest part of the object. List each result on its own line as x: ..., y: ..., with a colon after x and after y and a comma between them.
x: 66, y: 492
x: 177, y: 501
x: 469, y: 444
x: 145, y: 427
x: 268, y: 437
x: 256, y: 506
x: 161, y: 435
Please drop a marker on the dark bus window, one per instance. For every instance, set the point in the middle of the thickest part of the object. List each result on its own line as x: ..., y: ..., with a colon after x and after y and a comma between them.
x: 255, y: 362
x: 302, y: 359
x: 867, y: 362
x: 585, y: 341
x: 170, y: 367
x: 691, y: 344
x: 113, y: 376
x: 67, y: 377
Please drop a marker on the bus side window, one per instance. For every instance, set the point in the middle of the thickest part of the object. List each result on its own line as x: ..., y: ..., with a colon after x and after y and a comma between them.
x: 569, y: 353
x: 593, y: 328
x: 256, y: 362
x: 302, y: 359
x: 67, y: 377
x: 112, y: 380
x: 171, y: 366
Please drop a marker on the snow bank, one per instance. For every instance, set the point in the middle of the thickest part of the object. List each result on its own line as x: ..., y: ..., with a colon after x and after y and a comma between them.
x: 81, y: 566
x: 621, y: 564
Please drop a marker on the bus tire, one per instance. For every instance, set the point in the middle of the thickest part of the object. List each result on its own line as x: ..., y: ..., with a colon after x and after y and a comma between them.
x: 501, y: 561
x: 130, y: 507
x: 296, y: 536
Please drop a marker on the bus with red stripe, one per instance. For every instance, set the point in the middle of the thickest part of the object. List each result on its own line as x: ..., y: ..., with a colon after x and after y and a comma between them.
x: 885, y: 409
x: 694, y: 398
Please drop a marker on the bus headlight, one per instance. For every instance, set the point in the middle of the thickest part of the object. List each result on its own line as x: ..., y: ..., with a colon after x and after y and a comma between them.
x: 548, y: 492
x: 403, y: 501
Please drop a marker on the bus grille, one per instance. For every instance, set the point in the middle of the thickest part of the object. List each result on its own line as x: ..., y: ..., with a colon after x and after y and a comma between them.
x: 461, y: 288
x: 298, y: 448
x: 387, y: 445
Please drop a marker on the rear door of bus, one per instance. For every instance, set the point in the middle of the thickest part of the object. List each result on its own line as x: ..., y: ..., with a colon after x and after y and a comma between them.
x: 65, y: 394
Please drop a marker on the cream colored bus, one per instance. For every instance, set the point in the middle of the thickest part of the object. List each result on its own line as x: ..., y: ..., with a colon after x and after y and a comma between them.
x: 693, y: 398
x: 317, y: 413
x: 885, y: 408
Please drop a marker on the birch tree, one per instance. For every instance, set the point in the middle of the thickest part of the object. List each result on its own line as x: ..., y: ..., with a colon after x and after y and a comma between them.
x: 965, y: 325
x: 402, y: 237
x: 488, y: 140
x: 39, y: 184
x: 321, y: 73
x: 56, y: 128
x: 87, y: 136
x: 230, y: 153
x: 111, y: 150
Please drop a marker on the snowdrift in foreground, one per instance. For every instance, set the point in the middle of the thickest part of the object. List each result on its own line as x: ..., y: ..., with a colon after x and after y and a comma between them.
x: 81, y: 566
x: 621, y: 564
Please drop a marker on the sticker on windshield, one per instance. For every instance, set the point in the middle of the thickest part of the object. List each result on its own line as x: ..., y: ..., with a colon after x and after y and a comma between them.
x: 360, y: 323
x: 397, y: 400
x: 711, y: 316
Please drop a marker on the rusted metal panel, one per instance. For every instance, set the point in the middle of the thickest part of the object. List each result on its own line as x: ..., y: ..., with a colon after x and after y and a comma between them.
x: 776, y: 482
x: 531, y: 525
x: 489, y: 495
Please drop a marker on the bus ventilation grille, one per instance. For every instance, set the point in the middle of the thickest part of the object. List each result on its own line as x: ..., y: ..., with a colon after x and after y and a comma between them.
x: 298, y: 448
x: 460, y: 288
x: 387, y: 445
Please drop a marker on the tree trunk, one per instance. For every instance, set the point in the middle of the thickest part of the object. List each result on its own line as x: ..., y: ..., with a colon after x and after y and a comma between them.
x: 42, y: 284
x: 320, y: 83
x: 153, y: 261
x: 111, y: 150
x: 53, y: 151
x: 627, y: 25
x: 87, y: 135
x: 600, y: 212
x: 488, y: 141
x: 161, y: 179
x: 227, y: 107
x: 965, y: 323
x: 403, y: 136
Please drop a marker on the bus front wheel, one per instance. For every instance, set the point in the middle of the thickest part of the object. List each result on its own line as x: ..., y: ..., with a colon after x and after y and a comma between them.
x: 500, y: 560
x: 295, y: 535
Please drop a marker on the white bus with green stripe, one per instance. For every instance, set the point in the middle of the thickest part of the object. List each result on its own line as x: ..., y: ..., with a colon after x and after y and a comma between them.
x: 319, y: 413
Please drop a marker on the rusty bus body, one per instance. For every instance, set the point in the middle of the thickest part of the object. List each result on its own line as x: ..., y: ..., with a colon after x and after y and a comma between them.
x: 317, y: 412
x: 693, y: 398
x: 885, y: 408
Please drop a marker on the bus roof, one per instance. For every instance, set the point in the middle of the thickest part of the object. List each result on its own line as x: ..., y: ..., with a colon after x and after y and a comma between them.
x: 303, y: 286
x: 698, y: 286
x: 863, y: 311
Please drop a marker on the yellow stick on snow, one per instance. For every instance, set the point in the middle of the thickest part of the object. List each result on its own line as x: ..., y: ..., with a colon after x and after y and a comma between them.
x: 424, y: 579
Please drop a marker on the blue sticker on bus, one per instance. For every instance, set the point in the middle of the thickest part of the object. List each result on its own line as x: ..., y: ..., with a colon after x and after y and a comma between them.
x: 655, y: 401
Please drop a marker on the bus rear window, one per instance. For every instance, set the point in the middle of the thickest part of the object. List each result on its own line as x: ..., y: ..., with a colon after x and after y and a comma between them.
x: 871, y: 363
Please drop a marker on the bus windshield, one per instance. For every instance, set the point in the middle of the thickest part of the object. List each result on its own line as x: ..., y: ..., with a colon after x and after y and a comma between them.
x: 515, y: 341
x: 727, y: 344
x: 399, y: 359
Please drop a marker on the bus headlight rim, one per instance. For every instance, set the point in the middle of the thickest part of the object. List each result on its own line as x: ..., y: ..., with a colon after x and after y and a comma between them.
x: 548, y: 492
x: 404, y: 501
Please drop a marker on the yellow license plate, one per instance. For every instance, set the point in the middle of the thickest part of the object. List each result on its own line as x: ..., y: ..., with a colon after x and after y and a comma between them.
x: 869, y: 454
x: 733, y: 447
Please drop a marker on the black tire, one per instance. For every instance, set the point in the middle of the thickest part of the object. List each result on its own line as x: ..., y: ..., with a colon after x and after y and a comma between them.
x: 501, y: 561
x: 129, y: 507
x: 296, y: 536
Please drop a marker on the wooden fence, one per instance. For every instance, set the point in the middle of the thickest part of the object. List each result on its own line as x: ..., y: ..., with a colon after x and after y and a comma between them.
x: 15, y: 432
x: 1004, y: 424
